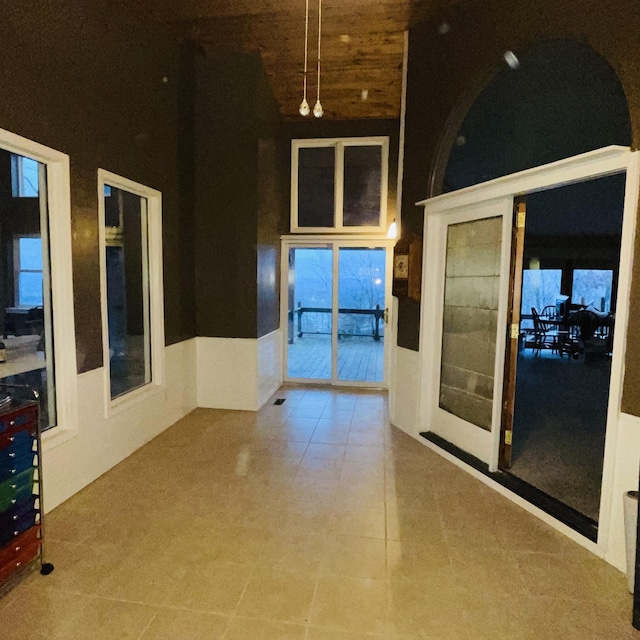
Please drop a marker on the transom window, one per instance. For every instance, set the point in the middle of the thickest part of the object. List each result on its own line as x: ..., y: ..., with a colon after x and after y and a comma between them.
x: 339, y: 185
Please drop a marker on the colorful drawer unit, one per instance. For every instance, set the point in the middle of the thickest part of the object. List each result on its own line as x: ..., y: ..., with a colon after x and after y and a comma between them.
x: 20, y: 501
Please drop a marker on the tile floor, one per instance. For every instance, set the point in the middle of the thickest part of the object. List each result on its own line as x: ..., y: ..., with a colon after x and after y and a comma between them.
x: 311, y: 520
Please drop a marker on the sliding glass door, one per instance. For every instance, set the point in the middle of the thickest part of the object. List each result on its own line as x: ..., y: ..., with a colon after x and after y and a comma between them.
x: 336, y: 313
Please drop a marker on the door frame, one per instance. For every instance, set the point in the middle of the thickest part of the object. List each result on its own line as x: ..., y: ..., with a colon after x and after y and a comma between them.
x: 335, y: 243
x: 599, y: 163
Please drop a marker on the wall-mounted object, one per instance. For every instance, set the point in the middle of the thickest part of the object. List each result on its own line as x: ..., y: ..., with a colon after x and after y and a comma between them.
x: 407, y: 267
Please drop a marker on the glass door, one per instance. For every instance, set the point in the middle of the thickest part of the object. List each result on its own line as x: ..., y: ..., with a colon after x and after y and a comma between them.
x: 361, y: 314
x: 309, y: 313
x: 335, y: 332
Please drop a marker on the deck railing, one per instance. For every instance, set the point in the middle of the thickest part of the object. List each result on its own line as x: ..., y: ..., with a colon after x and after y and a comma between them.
x: 377, y: 314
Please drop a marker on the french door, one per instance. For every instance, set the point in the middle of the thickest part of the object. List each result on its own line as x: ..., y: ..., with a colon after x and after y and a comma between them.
x: 335, y: 301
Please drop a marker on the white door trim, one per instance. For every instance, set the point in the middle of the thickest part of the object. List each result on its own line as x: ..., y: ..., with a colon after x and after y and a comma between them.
x: 599, y: 163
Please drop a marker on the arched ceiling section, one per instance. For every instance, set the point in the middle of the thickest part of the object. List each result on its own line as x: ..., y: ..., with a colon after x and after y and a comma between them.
x: 562, y: 100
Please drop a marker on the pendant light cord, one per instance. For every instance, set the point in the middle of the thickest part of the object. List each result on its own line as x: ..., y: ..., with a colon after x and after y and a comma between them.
x: 306, y: 45
x: 319, y: 34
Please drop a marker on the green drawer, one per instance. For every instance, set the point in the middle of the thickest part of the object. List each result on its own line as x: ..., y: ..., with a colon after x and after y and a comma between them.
x: 17, y: 488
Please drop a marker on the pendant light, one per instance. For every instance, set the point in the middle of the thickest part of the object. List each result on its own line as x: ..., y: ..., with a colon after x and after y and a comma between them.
x: 304, y: 105
x: 317, y: 109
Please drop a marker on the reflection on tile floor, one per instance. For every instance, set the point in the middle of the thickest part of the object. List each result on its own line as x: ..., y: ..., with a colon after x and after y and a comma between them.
x: 311, y: 520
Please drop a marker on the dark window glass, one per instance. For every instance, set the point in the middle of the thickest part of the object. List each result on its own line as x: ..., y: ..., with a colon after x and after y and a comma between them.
x: 316, y: 179
x: 362, y: 186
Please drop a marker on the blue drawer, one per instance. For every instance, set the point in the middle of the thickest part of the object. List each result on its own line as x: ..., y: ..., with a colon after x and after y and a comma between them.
x: 15, y: 463
x: 17, y: 439
x: 15, y: 528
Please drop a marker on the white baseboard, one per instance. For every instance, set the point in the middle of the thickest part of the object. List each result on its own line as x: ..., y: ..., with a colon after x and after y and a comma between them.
x: 238, y: 373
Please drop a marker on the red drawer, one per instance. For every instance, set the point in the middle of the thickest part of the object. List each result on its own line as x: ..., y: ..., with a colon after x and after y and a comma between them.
x: 20, y: 560
x: 20, y: 420
x: 18, y: 544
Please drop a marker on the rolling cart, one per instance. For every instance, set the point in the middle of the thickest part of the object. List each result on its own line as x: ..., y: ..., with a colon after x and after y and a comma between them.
x: 21, y: 508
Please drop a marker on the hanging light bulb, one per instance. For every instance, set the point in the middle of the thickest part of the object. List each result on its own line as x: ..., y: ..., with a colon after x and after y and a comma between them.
x: 304, y: 105
x: 317, y: 110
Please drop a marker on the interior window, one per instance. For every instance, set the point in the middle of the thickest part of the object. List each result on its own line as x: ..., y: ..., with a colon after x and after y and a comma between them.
x: 127, y: 284
x: 28, y: 271
x: 339, y: 184
x: 25, y: 290
x: 540, y: 290
x: 592, y: 287
x: 24, y: 177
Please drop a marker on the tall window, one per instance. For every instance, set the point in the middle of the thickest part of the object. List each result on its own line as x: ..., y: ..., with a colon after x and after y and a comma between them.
x: 339, y: 184
x: 132, y: 328
x: 25, y: 284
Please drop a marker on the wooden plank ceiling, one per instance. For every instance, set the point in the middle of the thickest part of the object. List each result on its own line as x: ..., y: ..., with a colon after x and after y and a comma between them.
x: 361, y: 47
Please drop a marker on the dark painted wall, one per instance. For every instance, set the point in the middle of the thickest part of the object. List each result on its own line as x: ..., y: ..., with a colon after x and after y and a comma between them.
x: 81, y: 80
x: 238, y: 201
x: 447, y: 72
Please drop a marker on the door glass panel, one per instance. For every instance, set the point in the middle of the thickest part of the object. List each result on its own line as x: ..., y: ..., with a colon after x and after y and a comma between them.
x: 470, y: 320
x: 316, y: 180
x: 362, y: 186
x: 361, y: 303
x: 127, y: 271
x: 26, y: 357
x: 309, y: 313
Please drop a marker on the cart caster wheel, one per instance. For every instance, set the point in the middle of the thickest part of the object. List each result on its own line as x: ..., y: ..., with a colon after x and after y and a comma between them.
x: 46, y: 569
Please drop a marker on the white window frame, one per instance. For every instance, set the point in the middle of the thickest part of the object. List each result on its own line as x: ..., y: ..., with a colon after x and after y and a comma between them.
x: 339, y: 145
x: 152, y: 286
x: 60, y: 280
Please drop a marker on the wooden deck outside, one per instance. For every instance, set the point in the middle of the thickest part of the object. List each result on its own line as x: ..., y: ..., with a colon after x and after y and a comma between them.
x: 360, y: 359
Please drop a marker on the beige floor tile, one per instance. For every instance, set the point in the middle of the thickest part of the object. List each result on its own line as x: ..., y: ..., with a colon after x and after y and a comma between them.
x: 301, y: 552
x: 487, y: 570
x: 316, y: 633
x: 310, y: 489
x: 354, y: 605
x: 102, y: 619
x: 362, y: 453
x: 175, y: 624
x: 327, y: 432
x: 244, y: 521
x: 276, y: 594
x: 254, y: 629
x: 355, y: 557
x: 360, y: 494
x: 362, y: 471
x: 418, y: 562
x: 362, y: 522
x: 35, y: 613
x: 431, y: 610
x: 307, y: 411
x: 559, y: 577
x: 216, y: 588
x: 325, y: 451
x: 142, y: 578
x: 320, y: 468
